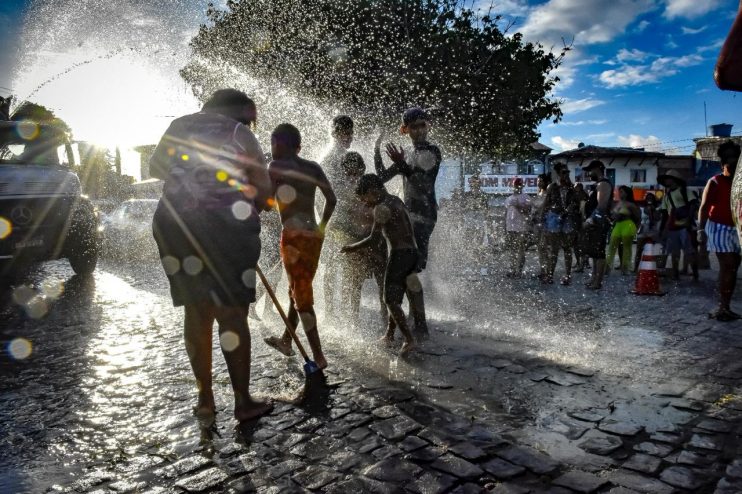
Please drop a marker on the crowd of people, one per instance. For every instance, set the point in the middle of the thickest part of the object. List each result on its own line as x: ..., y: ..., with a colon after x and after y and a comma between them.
x: 594, y: 227
x: 228, y: 210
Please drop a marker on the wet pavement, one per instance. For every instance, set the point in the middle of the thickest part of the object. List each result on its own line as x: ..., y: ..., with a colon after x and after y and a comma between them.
x: 521, y: 389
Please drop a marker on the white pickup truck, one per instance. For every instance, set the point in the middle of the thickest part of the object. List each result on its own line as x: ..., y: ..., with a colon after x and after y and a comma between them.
x: 43, y: 214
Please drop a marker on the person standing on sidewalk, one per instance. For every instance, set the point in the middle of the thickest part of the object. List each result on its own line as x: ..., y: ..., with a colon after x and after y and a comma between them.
x: 626, y: 216
x: 207, y: 229
x: 597, y: 224
x: 677, y: 222
x: 716, y: 228
x: 517, y: 207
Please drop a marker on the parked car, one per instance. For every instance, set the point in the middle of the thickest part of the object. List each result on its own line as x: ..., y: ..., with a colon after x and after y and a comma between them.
x: 43, y: 214
x: 127, y: 232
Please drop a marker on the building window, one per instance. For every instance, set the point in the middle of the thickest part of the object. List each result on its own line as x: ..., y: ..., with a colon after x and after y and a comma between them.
x: 638, y: 176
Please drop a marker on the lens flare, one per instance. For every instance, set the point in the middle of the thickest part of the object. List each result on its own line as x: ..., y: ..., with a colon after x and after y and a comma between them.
x: 222, y: 176
x: 171, y: 265
x: 52, y: 289
x: 286, y: 194
x: 20, y: 348
x: 6, y: 228
x: 229, y: 341
x: 241, y: 210
x: 192, y: 265
x: 28, y: 130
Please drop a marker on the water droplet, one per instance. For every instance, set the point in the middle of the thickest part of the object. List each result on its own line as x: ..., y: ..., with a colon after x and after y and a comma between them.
x: 171, y: 265
x: 241, y: 210
x: 286, y: 194
x: 52, y: 289
x: 192, y: 265
x: 20, y: 348
x: 229, y: 341
x: 248, y: 278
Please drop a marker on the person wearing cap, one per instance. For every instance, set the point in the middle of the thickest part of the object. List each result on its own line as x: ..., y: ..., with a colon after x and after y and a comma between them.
x: 419, y: 170
x: 677, y: 222
x: 517, y: 207
x: 342, y: 138
x: 597, y: 223
x: 716, y: 228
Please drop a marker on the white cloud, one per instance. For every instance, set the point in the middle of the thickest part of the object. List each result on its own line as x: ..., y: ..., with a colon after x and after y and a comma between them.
x: 642, y: 26
x: 579, y: 123
x: 634, y: 55
x: 660, y: 68
x: 689, y: 8
x: 652, y: 143
x: 690, y: 30
x: 588, y: 21
x: 564, y: 144
x: 579, y: 105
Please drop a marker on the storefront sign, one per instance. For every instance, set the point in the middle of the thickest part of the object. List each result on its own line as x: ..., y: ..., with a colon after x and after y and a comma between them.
x: 503, y: 184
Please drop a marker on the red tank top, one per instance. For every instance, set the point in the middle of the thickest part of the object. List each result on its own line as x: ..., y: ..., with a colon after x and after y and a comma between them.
x: 721, y: 208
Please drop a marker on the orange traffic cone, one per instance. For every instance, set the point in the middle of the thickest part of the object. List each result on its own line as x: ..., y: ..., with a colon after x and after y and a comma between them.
x: 648, y: 281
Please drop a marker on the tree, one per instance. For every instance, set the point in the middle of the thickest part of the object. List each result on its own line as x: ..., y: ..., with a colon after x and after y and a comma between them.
x: 374, y: 58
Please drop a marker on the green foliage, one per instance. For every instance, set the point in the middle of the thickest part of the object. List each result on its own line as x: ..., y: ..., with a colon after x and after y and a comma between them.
x: 488, y: 91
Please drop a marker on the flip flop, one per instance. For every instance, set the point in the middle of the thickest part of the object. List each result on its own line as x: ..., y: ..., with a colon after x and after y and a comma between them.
x: 275, y: 343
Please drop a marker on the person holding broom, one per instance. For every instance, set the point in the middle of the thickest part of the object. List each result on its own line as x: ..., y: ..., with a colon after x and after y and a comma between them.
x: 294, y: 183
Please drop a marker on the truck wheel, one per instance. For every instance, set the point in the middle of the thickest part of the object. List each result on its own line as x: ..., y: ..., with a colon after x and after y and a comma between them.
x: 83, y: 260
x: 83, y: 245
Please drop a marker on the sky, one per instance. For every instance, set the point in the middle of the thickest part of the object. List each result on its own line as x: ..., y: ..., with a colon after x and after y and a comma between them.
x: 637, y: 75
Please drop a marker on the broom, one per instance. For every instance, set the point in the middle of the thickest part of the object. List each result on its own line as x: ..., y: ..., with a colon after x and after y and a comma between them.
x: 310, y: 367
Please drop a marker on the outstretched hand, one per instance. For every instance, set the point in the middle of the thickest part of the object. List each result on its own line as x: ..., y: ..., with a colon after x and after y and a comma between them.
x: 396, y: 154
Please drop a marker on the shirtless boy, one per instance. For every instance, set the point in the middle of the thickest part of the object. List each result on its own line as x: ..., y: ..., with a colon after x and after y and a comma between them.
x: 352, y: 222
x: 295, y: 181
x: 392, y: 219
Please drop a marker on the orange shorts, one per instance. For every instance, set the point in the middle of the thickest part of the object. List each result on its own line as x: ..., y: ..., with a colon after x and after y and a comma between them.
x: 300, y: 250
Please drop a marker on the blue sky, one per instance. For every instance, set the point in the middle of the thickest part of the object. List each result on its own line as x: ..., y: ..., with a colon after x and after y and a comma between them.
x: 638, y: 74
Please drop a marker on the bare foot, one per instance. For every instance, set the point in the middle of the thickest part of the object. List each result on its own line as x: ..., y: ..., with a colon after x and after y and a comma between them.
x: 386, y: 340
x: 252, y: 409
x: 277, y: 344
x: 205, y: 407
x: 406, y: 348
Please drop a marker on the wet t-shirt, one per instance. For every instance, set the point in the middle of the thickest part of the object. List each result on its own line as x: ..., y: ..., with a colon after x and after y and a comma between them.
x: 201, y: 158
x: 419, y: 172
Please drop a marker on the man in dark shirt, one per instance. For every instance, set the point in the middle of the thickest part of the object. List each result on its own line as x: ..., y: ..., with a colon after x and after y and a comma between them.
x: 295, y: 182
x: 419, y: 171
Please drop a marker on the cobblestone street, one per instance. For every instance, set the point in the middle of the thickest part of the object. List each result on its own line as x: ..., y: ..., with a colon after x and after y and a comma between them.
x: 521, y: 389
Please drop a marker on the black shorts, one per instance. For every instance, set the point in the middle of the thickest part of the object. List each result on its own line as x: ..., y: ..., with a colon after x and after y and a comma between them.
x: 208, y: 256
x: 400, y: 265
x: 423, y: 231
x: 594, y: 238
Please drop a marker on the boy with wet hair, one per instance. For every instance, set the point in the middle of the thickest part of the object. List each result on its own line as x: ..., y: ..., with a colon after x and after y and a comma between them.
x: 294, y: 184
x: 353, y: 222
x: 392, y: 220
x: 419, y: 169
x: 342, y: 137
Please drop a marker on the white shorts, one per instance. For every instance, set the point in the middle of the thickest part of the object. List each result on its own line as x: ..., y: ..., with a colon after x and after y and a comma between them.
x: 721, y: 238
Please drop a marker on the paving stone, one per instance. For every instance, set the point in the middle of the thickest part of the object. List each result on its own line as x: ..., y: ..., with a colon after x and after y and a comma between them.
x: 570, y: 428
x: 395, y: 395
x: 734, y: 469
x: 187, y: 465
x: 672, y: 389
x: 386, y: 412
x: 436, y: 437
x: 622, y: 490
x: 508, y: 489
x: 338, y: 413
x: 411, y: 443
x: 643, y: 463
x: 202, y: 481
x: 501, y: 469
x: 249, y: 462
x: 601, y: 445
x: 458, y: 467
x: 500, y: 363
x: 728, y: 486
x: 681, y: 477
x: 346, y: 460
x: 690, y: 405
x: 516, y: 369
x: 426, y: 455
x: 533, y: 460
x: 438, y: 384
x: 537, y: 376
x: 620, y: 428
x: 467, y: 451
x: 395, y: 428
x: 284, y: 468
x: 386, y: 452
x: 127, y: 486
x: 654, y: 449
x: 712, y: 425
x: 639, y: 482
x: 563, y: 379
x: 315, y: 477
x: 706, y: 392
x: 587, y: 416
x: 392, y: 469
x: 367, y: 445
x: 695, y: 459
x: 431, y: 483
x: 581, y: 371
x: 359, y: 434
x: 666, y: 437
x: 581, y: 481
x: 468, y: 488
x: 703, y: 441
x: 316, y: 449
x: 481, y: 434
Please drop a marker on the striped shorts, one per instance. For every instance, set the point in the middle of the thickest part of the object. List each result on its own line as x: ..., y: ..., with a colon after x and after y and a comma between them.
x: 721, y: 238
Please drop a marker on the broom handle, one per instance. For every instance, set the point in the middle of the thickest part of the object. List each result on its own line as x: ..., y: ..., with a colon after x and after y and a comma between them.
x: 286, y: 321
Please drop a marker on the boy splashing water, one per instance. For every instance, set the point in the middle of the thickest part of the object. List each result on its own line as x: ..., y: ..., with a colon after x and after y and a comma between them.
x: 392, y: 219
x: 419, y: 171
x: 295, y: 181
